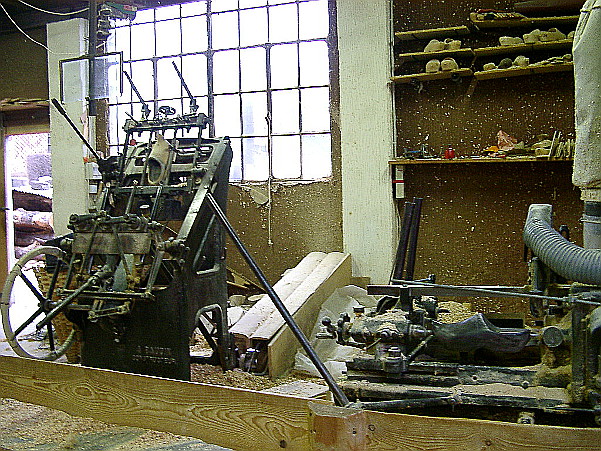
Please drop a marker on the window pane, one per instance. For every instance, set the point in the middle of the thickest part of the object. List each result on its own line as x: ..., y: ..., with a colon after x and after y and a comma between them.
x: 227, y: 115
x: 286, y: 157
x: 194, y: 71
x: 254, y: 111
x: 314, y: 63
x: 194, y: 8
x: 314, y: 21
x: 126, y: 95
x: 285, y: 111
x: 168, y: 82
x: 141, y: 74
x: 168, y: 38
x: 236, y: 167
x: 317, y: 159
x: 253, y: 75
x: 226, y: 72
x: 251, y: 3
x: 224, y: 5
x: 121, y: 39
x: 225, y: 26
x: 144, y: 15
x: 277, y: 2
x: 142, y: 41
x: 284, y: 66
x: 194, y: 34
x: 255, y: 158
x: 253, y: 27
x: 282, y: 23
x: 167, y: 12
x: 315, y: 109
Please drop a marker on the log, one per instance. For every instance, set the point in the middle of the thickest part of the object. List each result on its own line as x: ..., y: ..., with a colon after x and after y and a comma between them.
x: 32, y: 221
x: 264, y: 307
x: 282, y: 347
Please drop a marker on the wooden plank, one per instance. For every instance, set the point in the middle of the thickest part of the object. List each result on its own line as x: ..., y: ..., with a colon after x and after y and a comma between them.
x: 339, y: 428
x: 520, y: 71
x: 429, y: 77
x: 556, y: 21
x: 431, y: 33
x: 425, y: 56
x: 249, y: 420
x: 282, y: 348
x: 234, y: 418
x: 259, y: 312
x: 470, y: 160
x: 523, y: 48
x: 326, y: 269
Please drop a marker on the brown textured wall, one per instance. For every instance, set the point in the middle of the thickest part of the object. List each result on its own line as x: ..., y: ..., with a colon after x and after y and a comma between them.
x: 474, y: 213
x: 304, y: 218
x: 24, y: 72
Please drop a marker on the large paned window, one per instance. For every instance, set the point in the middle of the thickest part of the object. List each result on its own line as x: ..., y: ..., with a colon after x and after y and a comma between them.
x: 259, y: 68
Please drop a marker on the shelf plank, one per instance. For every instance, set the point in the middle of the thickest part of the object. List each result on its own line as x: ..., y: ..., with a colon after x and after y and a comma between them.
x: 432, y: 33
x: 426, y: 56
x: 523, y: 48
x: 520, y: 71
x: 403, y: 161
x: 403, y: 79
x: 523, y: 22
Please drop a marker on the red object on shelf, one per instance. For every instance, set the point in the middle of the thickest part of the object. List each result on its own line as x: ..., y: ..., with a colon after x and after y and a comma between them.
x: 449, y: 153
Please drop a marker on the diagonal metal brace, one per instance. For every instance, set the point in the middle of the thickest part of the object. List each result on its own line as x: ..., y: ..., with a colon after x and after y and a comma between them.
x: 339, y: 395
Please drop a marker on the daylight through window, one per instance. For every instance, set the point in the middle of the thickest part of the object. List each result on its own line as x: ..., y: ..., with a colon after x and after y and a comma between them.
x: 258, y: 68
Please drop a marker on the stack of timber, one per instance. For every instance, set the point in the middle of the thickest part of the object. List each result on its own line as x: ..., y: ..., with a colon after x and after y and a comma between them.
x: 302, y: 290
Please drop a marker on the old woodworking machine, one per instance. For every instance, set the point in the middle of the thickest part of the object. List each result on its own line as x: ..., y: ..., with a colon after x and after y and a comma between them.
x: 146, y: 266
x: 412, y: 360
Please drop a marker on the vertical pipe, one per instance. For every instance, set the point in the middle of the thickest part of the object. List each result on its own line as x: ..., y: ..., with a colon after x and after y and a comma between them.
x: 413, y: 234
x: 401, y: 252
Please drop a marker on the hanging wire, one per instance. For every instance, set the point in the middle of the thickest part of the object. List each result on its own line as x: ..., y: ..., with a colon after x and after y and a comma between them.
x: 29, y: 37
x: 52, y: 12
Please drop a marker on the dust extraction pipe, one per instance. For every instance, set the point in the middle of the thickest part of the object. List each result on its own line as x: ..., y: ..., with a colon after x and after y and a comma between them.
x: 565, y: 258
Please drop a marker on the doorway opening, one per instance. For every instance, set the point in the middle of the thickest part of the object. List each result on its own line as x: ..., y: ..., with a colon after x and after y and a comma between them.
x: 28, y: 175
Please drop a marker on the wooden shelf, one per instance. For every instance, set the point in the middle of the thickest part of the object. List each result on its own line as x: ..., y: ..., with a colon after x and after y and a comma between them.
x: 426, y: 56
x: 428, y: 77
x: 402, y: 161
x: 432, y: 33
x: 523, y: 48
x: 524, y: 22
x: 521, y: 71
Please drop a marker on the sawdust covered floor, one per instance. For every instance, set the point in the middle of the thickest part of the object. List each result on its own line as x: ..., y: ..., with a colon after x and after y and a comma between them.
x: 31, y: 427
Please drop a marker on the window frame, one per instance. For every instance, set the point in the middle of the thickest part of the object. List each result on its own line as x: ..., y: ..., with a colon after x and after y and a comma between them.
x: 209, y: 98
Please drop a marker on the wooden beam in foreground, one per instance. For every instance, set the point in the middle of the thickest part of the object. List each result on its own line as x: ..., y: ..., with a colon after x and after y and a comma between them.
x: 249, y: 420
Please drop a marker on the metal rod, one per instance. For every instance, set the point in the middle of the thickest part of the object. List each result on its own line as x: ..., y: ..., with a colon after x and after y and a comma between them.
x: 193, y: 106
x: 413, y: 234
x: 401, y: 251
x: 62, y: 111
x: 482, y: 291
x: 339, y: 395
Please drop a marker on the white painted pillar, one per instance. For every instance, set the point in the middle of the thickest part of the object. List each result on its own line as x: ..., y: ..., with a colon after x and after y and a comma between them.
x: 367, y: 136
x: 67, y: 39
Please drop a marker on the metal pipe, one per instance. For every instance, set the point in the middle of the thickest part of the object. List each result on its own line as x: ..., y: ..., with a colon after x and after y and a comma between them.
x: 339, y: 395
x: 401, y: 251
x: 413, y: 234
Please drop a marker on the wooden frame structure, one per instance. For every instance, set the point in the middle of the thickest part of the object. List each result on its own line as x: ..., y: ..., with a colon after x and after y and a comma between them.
x: 249, y: 420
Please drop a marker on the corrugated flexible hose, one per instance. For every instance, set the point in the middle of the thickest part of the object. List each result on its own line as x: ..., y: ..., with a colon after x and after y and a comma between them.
x: 563, y: 257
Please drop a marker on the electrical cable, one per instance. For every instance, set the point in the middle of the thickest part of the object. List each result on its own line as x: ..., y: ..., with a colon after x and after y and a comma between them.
x: 29, y: 37
x: 53, y: 12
